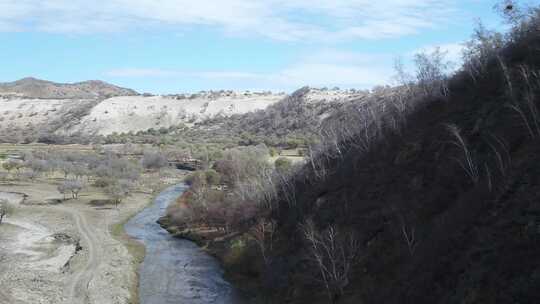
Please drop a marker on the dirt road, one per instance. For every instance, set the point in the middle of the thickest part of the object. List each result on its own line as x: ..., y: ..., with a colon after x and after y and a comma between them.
x: 103, y: 271
x: 78, y: 287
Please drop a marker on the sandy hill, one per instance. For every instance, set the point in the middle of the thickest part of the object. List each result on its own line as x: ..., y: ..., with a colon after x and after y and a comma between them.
x: 31, y: 108
x: 37, y: 88
x: 137, y: 113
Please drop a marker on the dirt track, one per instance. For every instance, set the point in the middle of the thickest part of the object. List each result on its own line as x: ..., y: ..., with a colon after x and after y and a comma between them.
x: 35, y: 269
x: 78, y: 288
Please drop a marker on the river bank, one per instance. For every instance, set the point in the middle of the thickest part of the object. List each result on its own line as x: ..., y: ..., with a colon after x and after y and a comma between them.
x: 234, y: 252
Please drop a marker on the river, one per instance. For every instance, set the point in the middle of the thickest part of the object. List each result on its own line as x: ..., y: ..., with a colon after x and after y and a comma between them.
x: 176, y: 271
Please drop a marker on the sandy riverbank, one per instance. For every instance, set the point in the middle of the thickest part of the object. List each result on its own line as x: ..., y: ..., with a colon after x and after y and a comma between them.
x: 66, y: 253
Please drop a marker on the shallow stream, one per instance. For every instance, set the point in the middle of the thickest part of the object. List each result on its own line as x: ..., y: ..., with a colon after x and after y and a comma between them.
x: 176, y: 271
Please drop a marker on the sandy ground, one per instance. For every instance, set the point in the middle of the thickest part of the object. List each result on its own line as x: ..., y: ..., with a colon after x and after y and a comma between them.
x: 65, y: 253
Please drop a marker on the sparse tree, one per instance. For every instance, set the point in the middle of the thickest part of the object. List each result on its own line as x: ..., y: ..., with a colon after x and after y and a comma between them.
x: 118, y: 191
x: 154, y: 160
x: 334, y: 253
x: 72, y: 186
x: 5, y: 209
x: 62, y: 189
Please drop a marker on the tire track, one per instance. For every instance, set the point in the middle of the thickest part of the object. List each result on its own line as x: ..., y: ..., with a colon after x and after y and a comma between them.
x: 78, y: 287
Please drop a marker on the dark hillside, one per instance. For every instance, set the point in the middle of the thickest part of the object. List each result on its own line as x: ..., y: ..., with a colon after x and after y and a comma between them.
x: 443, y: 198
x: 295, y: 120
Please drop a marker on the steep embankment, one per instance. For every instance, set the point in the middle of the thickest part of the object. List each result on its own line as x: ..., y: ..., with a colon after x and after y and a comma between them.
x: 300, y: 113
x: 444, y: 206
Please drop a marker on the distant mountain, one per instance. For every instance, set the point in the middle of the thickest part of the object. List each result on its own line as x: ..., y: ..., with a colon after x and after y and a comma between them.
x: 37, y: 88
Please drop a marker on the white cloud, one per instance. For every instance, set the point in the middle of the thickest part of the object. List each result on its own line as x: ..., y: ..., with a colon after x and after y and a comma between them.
x: 322, y: 74
x: 140, y: 72
x: 324, y: 68
x: 319, y: 20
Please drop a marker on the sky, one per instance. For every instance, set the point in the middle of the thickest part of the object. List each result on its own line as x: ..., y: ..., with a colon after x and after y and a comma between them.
x: 174, y: 46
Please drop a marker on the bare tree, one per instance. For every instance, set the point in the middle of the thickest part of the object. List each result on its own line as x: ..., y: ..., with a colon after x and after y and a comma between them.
x: 263, y: 234
x: 72, y: 186
x: 334, y: 253
x: 118, y: 191
x: 154, y: 160
x: 431, y: 72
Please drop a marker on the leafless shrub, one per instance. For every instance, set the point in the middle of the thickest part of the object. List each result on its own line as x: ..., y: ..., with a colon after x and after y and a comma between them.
x: 317, y: 164
x: 468, y: 163
x: 503, y: 158
x: 483, y: 47
x: 403, y: 78
x: 523, y: 116
x: 508, y: 80
x: 409, y: 235
x: 287, y: 188
x: 153, y: 160
x: 431, y: 73
x: 334, y: 253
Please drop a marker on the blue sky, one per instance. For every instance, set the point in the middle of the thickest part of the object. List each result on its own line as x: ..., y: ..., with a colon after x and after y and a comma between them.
x: 171, y: 46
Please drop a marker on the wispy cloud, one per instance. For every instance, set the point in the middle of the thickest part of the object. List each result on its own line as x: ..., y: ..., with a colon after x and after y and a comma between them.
x: 155, y: 73
x: 323, y: 68
x: 141, y: 72
x: 314, y: 20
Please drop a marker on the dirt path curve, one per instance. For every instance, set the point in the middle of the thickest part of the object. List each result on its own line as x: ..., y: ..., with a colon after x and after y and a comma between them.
x: 77, y: 290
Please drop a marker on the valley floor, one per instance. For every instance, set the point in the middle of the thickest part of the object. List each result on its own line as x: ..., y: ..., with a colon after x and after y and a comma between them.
x: 68, y: 252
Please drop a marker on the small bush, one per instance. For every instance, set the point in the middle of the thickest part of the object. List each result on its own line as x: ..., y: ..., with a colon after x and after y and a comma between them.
x: 283, y: 164
x: 212, y: 177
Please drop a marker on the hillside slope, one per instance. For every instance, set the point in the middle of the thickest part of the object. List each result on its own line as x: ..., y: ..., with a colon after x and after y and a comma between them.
x: 138, y: 113
x: 429, y: 195
x: 445, y: 207
x: 296, y: 119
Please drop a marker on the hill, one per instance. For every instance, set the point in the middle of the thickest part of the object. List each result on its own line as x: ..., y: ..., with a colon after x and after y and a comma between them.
x: 36, y: 88
x: 64, y: 120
